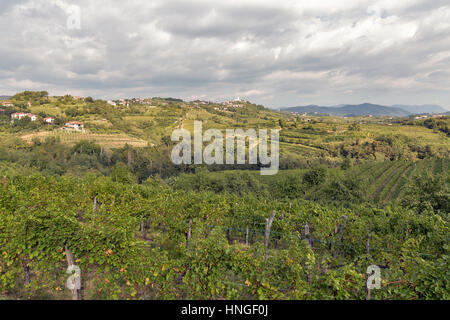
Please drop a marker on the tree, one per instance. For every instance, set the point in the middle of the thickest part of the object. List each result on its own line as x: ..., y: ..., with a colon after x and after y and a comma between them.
x: 315, y: 176
x: 347, y: 164
x: 428, y: 192
x: 121, y: 174
x: 354, y: 127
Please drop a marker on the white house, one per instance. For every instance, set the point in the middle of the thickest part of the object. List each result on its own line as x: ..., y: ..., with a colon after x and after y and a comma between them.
x: 7, y: 104
x: 49, y: 120
x: 20, y: 115
x: 75, y: 125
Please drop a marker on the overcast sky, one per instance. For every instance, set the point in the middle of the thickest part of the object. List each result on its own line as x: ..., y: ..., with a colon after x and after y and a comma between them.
x: 277, y: 53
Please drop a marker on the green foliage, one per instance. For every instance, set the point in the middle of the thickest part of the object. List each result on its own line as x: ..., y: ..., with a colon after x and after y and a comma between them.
x: 131, y: 243
x: 34, y: 96
x: 120, y: 173
x: 344, y: 189
x: 347, y: 164
x: 86, y: 147
x: 440, y: 124
x: 428, y: 192
x: 354, y: 127
x: 315, y: 176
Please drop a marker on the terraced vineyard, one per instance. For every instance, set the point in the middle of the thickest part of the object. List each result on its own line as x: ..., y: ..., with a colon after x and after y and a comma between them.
x: 387, y: 180
x: 381, y: 178
x: 71, y: 138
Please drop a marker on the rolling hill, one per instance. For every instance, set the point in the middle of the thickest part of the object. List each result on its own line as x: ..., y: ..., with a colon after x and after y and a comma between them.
x: 351, y: 110
x: 421, y: 108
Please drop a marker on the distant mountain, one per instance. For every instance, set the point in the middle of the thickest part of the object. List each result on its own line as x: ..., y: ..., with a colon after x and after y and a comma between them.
x: 352, y: 110
x: 5, y: 97
x: 417, y: 109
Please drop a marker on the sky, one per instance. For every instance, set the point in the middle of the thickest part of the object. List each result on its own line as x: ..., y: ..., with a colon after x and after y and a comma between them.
x: 277, y: 53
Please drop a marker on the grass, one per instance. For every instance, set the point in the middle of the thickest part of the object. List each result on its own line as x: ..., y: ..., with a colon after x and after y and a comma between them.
x: 424, y: 135
x: 71, y: 138
x: 48, y: 109
x: 438, y: 166
x: 139, y: 118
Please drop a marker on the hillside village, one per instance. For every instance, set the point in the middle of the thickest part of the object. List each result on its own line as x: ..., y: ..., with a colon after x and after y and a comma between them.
x: 48, y: 118
x: 144, y: 126
x: 305, y: 138
x: 74, y: 125
x: 79, y: 126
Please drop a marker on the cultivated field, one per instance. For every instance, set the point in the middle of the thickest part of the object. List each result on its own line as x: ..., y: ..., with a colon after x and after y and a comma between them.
x: 72, y: 137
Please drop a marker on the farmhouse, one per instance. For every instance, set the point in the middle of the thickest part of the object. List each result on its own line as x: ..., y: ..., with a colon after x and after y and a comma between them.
x: 20, y: 115
x: 75, y: 125
x: 7, y: 104
x: 49, y: 120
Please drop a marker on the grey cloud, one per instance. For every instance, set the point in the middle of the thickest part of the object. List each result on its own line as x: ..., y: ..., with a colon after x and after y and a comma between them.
x: 291, y: 51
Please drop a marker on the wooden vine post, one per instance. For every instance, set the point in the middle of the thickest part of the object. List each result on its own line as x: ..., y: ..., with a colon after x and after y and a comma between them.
x: 94, y: 205
x: 229, y: 236
x: 246, y: 236
x: 26, y: 270
x: 189, y: 233
x: 4, y: 182
x: 368, y: 290
x: 76, y: 292
x: 267, y: 233
x: 309, y: 239
x: 129, y: 158
x: 337, y: 230
x: 142, y: 229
